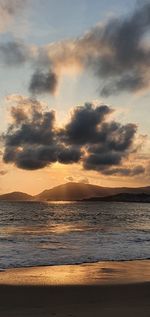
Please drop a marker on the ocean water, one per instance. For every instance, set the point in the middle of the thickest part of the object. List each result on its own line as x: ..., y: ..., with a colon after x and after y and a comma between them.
x: 34, y: 234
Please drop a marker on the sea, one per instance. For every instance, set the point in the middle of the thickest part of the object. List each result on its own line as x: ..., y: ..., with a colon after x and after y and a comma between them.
x: 57, y: 233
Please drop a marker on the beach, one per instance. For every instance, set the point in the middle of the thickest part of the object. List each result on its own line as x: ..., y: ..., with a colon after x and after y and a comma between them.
x: 62, y: 260
x: 99, y: 289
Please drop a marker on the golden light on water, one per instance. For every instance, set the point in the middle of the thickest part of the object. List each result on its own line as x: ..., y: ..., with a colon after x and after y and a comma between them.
x: 49, y: 228
x: 60, y: 202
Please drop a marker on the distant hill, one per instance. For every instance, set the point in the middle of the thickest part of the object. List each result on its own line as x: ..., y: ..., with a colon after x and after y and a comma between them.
x: 16, y: 196
x: 123, y: 197
x: 73, y: 191
x: 79, y: 191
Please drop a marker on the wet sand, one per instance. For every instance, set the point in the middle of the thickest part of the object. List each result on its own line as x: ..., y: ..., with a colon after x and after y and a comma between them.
x: 85, y: 274
x: 102, y: 289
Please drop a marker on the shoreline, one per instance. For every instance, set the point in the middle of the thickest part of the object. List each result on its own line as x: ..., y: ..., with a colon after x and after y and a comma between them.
x: 97, y: 273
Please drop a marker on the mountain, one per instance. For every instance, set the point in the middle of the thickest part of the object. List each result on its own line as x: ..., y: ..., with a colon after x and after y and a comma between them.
x: 72, y: 191
x: 80, y: 191
x: 76, y: 191
x: 16, y: 196
x: 123, y: 197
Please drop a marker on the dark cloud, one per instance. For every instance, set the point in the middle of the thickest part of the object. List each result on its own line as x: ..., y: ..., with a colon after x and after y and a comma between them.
x: 105, y: 143
x: 128, y: 82
x: 116, y: 52
x: 35, y: 127
x: 39, y: 156
x: 14, y: 53
x: 31, y: 141
x: 69, y: 155
x: 43, y: 82
x: 135, y: 171
x: 113, y: 144
x: 19, y: 115
x: 101, y: 160
x: 84, y: 124
x: 123, y: 59
x: 31, y: 157
x: 34, y: 141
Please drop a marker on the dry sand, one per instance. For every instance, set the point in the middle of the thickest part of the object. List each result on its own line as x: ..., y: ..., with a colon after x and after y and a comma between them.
x: 101, y: 289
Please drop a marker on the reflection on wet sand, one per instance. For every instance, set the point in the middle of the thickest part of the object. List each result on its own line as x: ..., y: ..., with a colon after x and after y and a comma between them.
x: 85, y: 274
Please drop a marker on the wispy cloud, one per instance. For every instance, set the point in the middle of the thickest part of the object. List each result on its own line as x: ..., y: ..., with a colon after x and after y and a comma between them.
x: 3, y: 172
x: 15, y: 53
x: 9, y: 9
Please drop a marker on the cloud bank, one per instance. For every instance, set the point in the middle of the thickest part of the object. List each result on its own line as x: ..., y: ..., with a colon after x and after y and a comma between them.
x: 33, y: 140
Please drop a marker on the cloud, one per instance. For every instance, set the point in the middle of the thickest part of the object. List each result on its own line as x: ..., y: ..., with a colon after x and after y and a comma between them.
x: 84, y: 180
x: 84, y: 124
x: 31, y: 158
x: 70, y: 178
x: 116, y: 52
x: 33, y: 140
x: 120, y: 57
x: 30, y: 125
x: 69, y: 155
x: 9, y: 9
x: 3, y: 172
x: 15, y: 53
x: 43, y: 82
x: 135, y: 171
x: 105, y: 143
x: 29, y: 142
x: 128, y: 82
x: 12, y: 7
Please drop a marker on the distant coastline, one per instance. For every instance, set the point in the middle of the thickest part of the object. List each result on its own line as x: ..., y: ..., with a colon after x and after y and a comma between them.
x: 122, y: 197
x: 84, y: 192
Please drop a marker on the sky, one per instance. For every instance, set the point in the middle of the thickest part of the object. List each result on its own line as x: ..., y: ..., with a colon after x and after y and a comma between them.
x: 74, y: 94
